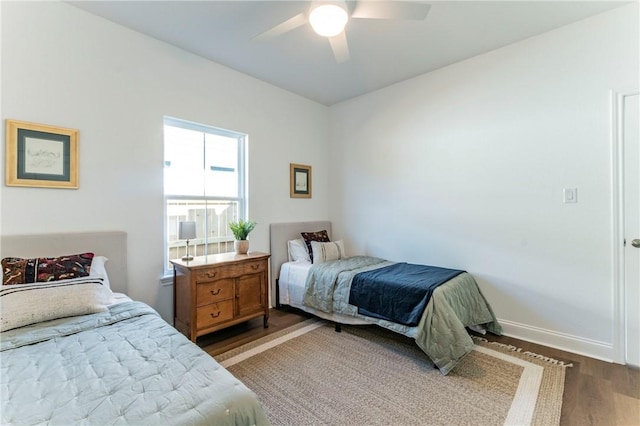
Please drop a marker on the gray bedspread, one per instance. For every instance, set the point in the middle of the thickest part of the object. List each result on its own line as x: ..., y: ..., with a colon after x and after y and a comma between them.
x: 441, y: 332
x: 124, y: 366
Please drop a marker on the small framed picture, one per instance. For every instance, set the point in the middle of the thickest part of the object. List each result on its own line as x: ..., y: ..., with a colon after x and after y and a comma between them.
x: 300, y: 180
x: 39, y: 155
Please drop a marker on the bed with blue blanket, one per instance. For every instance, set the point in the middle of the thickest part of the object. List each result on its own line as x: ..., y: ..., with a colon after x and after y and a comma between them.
x: 435, y: 306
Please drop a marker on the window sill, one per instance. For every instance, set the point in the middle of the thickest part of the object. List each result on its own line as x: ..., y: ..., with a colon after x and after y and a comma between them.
x: 166, y: 281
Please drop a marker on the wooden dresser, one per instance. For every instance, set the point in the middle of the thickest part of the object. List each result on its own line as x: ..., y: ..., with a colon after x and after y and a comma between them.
x: 216, y: 291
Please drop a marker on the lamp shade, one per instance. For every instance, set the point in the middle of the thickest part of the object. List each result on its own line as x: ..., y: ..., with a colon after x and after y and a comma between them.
x: 186, y: 230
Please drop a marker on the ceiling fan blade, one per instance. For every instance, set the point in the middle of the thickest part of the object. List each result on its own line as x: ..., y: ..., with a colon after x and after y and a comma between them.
x: 390, y: 10
x: 282, y: 28
x: 340, y: 47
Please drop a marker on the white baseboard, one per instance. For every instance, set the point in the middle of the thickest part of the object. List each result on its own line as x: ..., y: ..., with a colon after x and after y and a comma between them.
x: 565, y: 342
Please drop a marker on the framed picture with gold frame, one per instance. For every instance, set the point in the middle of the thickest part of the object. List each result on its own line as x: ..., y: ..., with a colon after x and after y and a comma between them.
x: 300, y: 180
x: 39, y: 155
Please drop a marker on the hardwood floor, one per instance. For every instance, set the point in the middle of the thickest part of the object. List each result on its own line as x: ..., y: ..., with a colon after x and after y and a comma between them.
x: 596, y: 392
x: 237, y: 335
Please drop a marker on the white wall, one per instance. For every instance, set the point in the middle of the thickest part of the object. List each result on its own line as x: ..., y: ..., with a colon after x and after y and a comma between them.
x: 465, y: 167
x: 62, y: 66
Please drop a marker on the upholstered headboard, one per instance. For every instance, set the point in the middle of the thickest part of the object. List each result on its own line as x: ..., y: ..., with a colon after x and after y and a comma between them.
x: 112, y: 244
x: 279, y: 234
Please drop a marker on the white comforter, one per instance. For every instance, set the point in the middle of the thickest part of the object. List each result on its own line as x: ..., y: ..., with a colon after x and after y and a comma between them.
x: 124, y: 366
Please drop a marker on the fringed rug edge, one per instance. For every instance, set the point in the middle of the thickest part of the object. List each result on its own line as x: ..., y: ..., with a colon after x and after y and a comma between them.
x: 511, y: 348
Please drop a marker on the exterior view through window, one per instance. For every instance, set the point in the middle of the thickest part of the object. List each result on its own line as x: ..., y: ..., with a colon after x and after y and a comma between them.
x: 204, y: 182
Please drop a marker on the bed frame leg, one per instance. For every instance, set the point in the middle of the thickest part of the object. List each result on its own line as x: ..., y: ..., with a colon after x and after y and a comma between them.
x: 338, y: 327
x: 278, y: 305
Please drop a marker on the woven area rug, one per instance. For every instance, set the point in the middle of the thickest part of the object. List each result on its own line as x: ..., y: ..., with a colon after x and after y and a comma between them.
x: 310, y: 375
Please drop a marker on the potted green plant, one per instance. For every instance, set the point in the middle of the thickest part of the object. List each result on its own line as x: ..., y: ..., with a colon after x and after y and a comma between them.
x: 241, y: 230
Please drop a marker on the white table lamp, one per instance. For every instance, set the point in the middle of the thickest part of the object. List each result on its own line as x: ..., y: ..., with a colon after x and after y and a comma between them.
x: 187, y: 231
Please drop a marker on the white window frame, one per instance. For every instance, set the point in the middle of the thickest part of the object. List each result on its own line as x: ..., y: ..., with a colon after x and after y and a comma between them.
x: 241, y: 199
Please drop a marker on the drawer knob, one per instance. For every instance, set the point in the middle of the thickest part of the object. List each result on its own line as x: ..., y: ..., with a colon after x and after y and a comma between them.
x: 255, y: 266
x: 216, y: 315
x: 211, y: 274
x: 216, y: 292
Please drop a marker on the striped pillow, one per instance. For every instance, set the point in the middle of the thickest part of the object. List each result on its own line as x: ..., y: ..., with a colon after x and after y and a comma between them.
x: 25, y: 304
x: 324, y: 252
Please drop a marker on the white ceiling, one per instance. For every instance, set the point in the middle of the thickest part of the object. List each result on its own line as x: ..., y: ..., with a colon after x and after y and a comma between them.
x: 383, y: 52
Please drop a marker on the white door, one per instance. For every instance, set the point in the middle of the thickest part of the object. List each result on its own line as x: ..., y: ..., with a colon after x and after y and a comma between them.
x: 631, y: 146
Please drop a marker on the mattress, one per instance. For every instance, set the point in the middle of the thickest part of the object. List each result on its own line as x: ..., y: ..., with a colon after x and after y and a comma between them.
x: 123, y: 366
x: 121, y: 297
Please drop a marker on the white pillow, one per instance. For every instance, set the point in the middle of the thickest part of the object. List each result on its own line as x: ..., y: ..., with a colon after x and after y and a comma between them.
x: 298, y: 251
x: 98, y: 269
x: 323, y: 252
x: 25, y: 304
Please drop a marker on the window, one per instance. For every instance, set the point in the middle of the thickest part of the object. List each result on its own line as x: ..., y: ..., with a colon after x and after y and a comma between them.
x: 204, y: 182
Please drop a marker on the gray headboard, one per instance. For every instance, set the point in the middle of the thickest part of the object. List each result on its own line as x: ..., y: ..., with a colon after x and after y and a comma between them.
x: 279, y: 234
x: 112, y: 244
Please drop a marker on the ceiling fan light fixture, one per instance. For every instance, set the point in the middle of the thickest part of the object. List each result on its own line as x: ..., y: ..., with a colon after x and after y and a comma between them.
x: 328, y: 20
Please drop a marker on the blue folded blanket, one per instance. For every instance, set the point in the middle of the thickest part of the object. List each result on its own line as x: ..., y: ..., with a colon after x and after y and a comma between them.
x: 398, y: 292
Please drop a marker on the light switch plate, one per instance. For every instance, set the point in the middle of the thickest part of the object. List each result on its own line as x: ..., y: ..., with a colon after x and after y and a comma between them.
x: 570, y: 195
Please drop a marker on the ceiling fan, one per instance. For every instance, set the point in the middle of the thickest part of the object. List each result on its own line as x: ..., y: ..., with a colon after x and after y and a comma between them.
x: 329, y: 18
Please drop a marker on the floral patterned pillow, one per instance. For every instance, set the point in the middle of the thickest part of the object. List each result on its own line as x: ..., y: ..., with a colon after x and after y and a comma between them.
x: 319, y: 236
x: 16, y: 270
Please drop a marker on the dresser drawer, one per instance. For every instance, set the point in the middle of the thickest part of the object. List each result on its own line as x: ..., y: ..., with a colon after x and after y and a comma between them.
x: 253, y: 267
x: 208, y: 275
x: 214, y: 313
x: 214, y: 291
x: 230, y: 271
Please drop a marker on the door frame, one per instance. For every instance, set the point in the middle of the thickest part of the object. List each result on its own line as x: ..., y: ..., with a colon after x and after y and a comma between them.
x: 617, y: 191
